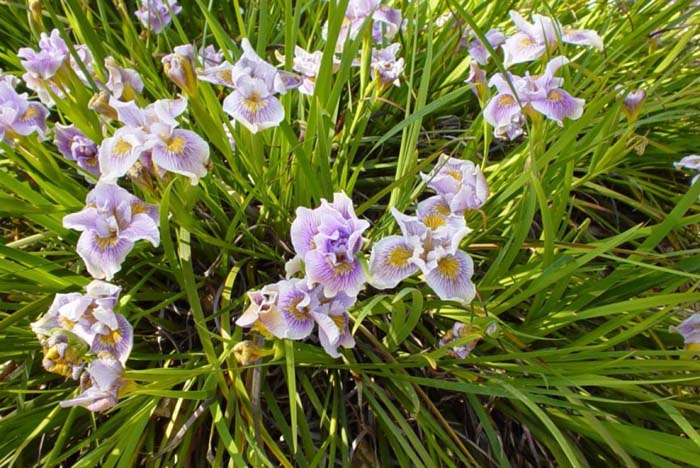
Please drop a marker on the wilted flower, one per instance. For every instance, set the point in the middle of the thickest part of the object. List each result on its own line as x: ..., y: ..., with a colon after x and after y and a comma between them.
x: 155, y: 15
x: 328, y: 238
x: 632, y: 103
x: 308, y: 65
x: 153, y: 129
x: 18, y: 116
x: 533, y: 40
x: 476, y: 47
x: 385, y: 66
x: 112, y: 221
x: 63, y: 356
x: 461, y: 184
x: 247, y: 352
x: 690, y: 330
x: 262, y: 312
x: 255, y: 82
x: 541, y: 93
x: 477, y: 77
x: 124, y: 83
x: 179, y: 67
x: 458, y: 332
x: 102, y: 385
x: 74, y: 145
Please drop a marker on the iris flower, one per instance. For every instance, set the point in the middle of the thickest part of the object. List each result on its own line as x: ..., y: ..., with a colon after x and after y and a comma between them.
x: 156, y: 15
x: 75, y: 146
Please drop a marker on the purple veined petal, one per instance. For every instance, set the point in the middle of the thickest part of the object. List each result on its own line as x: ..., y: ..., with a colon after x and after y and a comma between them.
x: 304, y: 228
x: 520, y: 48
x: 547, y: 29
x: 83, y: 220
x: 328, y: 333
x: 554, y: 65
x: 253, y: 106
x: 297, y: 302
x: 450, y: 234
x: 410, y: 226
x: 118, y: 153
x: 343, y: 204
x: 33, y: 119
x: 306, y: 63
x: 559, y: 105
x: 92, y: 399
x: 501, y: 110
x: 182, y: 152
x: 103, y: 256
x: 434, y: 211
x: 220, y: 75
x: 63, y: 139
x: 391, y: 262
x: 522, y: 25
x: 165, y: 111
x: 142, y: 227
x: 105, y: 317
x: 105, y: 372
x: 689, y: 329
x: 286, y: 81
x: 108, y: 196
x: 386, y: 23
x: 500, y: 82
x: 691, y: 162
x: 122, y: 82
x: 128, y: 113
x: 478, y: 52
x: 101, y: 290
x: 333, y: 276
x: 451, y: 278
x: 586, y: 37
x: 118, y: 341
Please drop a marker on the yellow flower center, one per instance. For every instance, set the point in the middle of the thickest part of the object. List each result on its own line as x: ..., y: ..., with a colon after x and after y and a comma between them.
x: 398, y: 258
x: 254, y: 103
x: 138, y: 208
x: 449, y: 267
x: 104, y: 242
x: 526, y: 42
x: 455, y: 174
x: 176, y: 144
x: 555, y: 96
x: 506, y: 100
x: 339, y: 321
x: 121, y: 147
x: 111, y: 338
x: 293, y: 309
x: 30, y: 113
x: 434, y: 220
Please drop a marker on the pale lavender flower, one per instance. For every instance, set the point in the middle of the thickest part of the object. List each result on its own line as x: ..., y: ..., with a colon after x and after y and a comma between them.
x: 179, y: 67
x: 459, y: 331
x: 461, y: 183
x: 385, y: 22
x: 477, y: 77
x: 124, y: 83
x: 211, y: 57
x: 385, y: 66
x: 689, y: 329
x: 533, y: 40
x: 328, y: 238
x: 691, y: 162
x: 632, y: 103
x: 255, y: 82
x: 153, y: 129
x: 476, y: 47
x: 337, y: 312
x: 11, y: 80
x: 111, y: 223
x: 53, y: 52
x: 101, y: 389
x: 74, y: 145
x: 429, y: 242
x: 262, y: 312
x: 18, y: 116
x: 300, y: 308
x: 540, y: 93
x: 221, y: 74
x: 85, y: 58
x: 308, y: 65
x: 156, y: 15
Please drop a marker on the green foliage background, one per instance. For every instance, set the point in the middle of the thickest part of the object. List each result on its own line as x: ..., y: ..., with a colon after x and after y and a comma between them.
x: 587, y: 254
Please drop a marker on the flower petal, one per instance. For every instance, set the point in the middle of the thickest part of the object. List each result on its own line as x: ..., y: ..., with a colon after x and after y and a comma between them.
x: 390, y: 262
x: 451, y: 278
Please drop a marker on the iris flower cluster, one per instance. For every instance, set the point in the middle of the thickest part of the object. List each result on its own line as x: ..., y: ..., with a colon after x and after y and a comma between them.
x: 156, y: 15
x: 83, y: 338
x: 520, y: 96
x: 327, y: 241
x: 429, y: 240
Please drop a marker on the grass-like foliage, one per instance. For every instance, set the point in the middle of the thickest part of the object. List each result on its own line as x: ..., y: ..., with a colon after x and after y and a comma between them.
x: 585, y: 252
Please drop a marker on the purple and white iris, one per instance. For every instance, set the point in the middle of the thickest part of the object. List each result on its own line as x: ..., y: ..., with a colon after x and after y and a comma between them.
x: 44, y: 63
x: 385, y: 66
x: 476, y: 47
x: 75, y: 146
x: 18, y: 116
x: 690, y: 330
x: 429, y: 241
x: 308, y: 65
x: 156, y: 15
x: 124, y: 83
x: 534, y: 39
x: 101, y: 383
x: 386, y: 22
x: 111, y: 222
x: 540, y: 93
x: 153, y: 131
x: 328, y: 239
x: 255, y: 83
x: 459, y: 331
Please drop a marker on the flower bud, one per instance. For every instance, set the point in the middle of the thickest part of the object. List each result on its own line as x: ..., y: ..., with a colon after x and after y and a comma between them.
x: 100, y: 104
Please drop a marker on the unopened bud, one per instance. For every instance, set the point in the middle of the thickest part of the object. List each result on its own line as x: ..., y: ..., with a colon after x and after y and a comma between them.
x: 100, y: 104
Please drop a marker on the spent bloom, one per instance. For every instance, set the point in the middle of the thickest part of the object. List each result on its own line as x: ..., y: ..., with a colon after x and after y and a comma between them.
x: 153, y: 130
x: 533, y: 40
x: 18, y: 116
x: 156, y: 15
x: 256, y: 82
x: 690, y: 330
x: 75, y: 146
x: 632, y: 103
x: 328, y: 239
x: 179, y: 67
x: 539, y: 93
x: 101, y: 383
x: 111, y: 222
x: 460, y: 331
x: 385, y: 66
x: 124, y: 83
